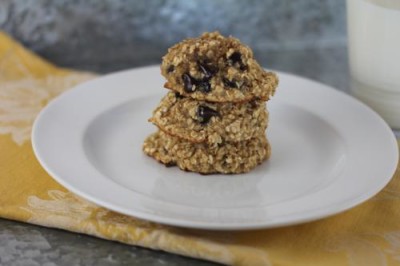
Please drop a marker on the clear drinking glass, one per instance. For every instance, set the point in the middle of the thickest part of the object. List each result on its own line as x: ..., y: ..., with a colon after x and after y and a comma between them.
x: 374, y: 54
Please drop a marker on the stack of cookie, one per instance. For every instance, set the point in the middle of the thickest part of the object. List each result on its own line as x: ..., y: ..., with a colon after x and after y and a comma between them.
x: 214, y: 118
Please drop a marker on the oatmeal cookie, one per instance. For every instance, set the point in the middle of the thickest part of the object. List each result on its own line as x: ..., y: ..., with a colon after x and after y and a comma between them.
x: 227, y: 158
x: 200, y: 121
x: 215, y: 68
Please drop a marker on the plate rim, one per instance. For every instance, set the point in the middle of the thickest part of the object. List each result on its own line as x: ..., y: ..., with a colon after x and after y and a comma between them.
x: 326, y: 212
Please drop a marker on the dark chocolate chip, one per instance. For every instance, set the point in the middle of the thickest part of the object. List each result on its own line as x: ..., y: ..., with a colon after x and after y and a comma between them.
x: 188, y: 83
x: 207, y: 71
x: 191, y: 84
x: 170, y: 164
x: 205, y: 113
x: 178, y: 96
x: 243, y: 67
x: 253, y: 104
x: 228, y: 83
x: 203, y: 86
x: 170, y: 69
x: 207, y: 74
x: 213, y: 69
x: 236, y: 57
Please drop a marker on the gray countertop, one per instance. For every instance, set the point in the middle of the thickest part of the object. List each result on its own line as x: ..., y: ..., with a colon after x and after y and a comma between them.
x: 23, y: 244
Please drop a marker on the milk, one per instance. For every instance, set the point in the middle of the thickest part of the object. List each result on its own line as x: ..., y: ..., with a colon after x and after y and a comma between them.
x: 374, y: 53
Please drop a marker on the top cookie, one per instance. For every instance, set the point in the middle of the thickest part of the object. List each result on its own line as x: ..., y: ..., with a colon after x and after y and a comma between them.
x: 215, y: 68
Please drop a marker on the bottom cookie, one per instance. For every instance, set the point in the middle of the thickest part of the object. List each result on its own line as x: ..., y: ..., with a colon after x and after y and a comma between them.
x: 227, y: 158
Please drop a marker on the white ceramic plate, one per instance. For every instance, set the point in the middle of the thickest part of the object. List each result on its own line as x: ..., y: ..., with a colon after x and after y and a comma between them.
x: 329, y: 153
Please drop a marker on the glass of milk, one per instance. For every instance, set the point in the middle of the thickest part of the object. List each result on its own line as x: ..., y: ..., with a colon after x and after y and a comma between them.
x: 374, y: 54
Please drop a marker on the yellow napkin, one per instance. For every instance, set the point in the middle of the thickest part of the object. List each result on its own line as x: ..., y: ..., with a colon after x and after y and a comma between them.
x: 366, y: 235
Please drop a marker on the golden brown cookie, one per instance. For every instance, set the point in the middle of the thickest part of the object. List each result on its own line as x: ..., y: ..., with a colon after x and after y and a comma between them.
x: 215, y: 68
x: 227, y: 158
x: 199, y: 121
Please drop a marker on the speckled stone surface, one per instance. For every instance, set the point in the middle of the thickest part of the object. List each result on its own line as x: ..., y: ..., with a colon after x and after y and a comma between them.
x: 28, y: 245
x: 106, y: 35
x: 304, y: 37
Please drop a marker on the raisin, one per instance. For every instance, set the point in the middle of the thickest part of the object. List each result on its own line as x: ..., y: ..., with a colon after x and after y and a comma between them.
x: 205, y: 113
x: 170, y: 69
x: 228, y: 83
x: 188, y: 83
x: 204, y: 86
